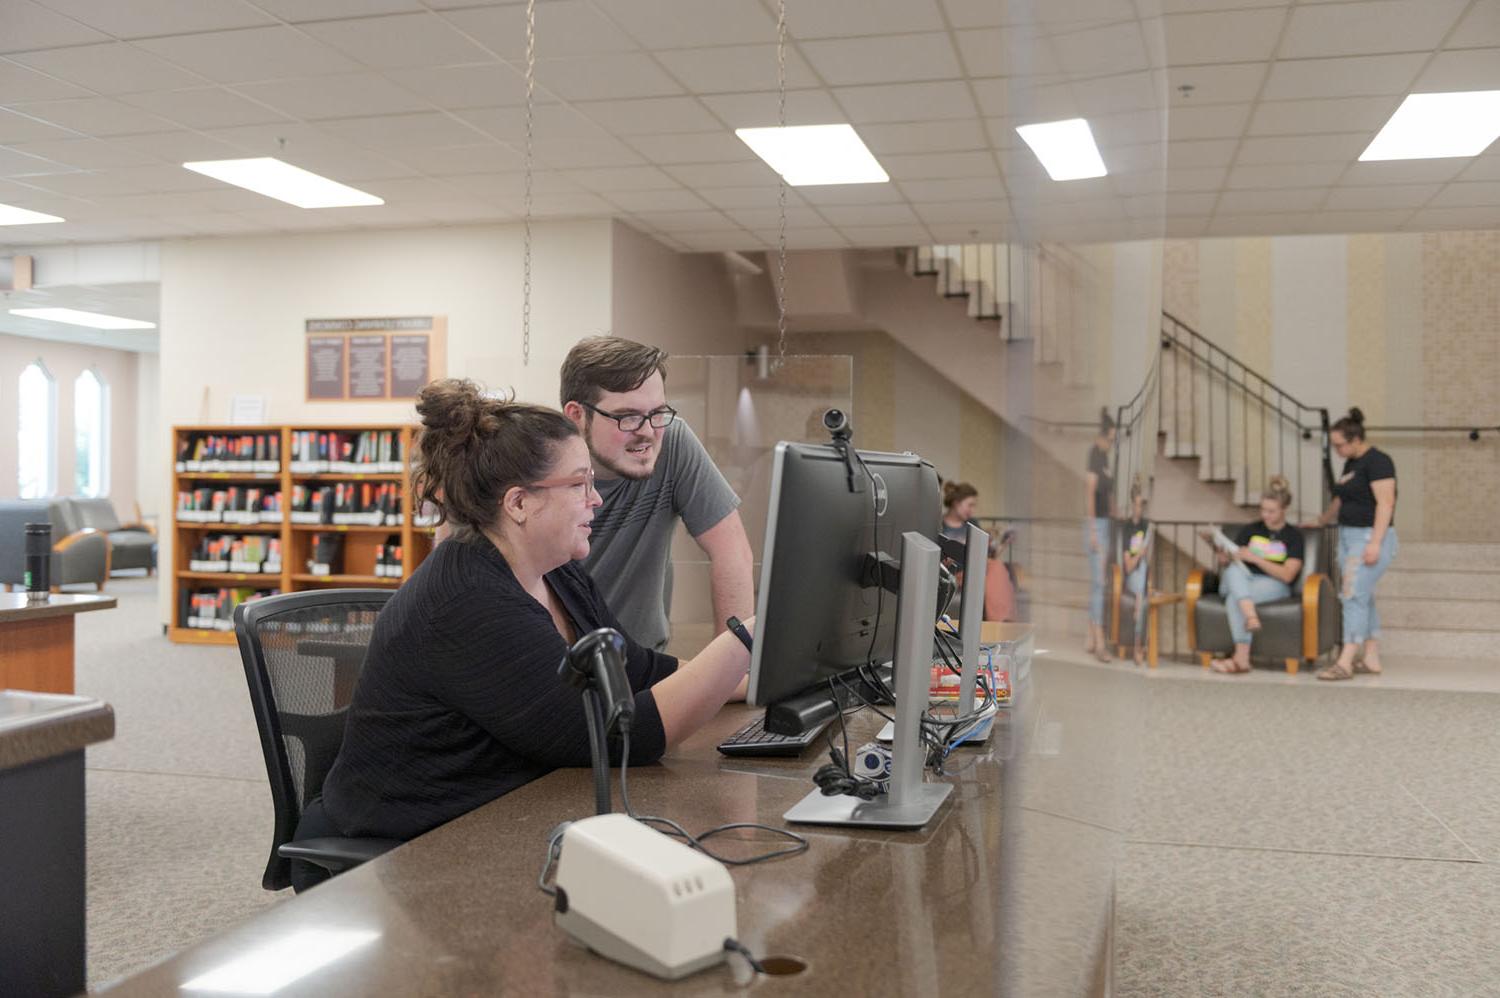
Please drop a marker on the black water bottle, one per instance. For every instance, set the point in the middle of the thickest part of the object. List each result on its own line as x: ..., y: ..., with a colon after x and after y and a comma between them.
x: 38, y: 561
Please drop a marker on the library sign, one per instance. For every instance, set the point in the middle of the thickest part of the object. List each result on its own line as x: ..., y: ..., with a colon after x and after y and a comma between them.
x: 373, y: 360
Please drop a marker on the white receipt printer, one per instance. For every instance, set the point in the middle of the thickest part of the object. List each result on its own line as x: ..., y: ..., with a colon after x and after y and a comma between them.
x: 634, y: 895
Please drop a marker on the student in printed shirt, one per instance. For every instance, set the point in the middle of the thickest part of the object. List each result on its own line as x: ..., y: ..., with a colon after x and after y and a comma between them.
x: 1134, y: 559
x: 1364, y: 505
x: 1268, y: 561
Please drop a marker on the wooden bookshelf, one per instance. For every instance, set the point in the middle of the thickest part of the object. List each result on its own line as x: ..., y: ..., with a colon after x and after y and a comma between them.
x: 359, y: 544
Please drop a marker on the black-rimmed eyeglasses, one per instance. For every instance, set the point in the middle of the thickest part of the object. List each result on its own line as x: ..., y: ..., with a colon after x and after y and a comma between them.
x: 630, y: 422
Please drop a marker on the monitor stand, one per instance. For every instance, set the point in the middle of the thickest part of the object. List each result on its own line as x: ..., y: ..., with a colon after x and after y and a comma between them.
x: 910, y: 802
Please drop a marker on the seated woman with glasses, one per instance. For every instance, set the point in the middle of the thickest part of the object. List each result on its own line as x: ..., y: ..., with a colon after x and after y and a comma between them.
x: 459, y: 701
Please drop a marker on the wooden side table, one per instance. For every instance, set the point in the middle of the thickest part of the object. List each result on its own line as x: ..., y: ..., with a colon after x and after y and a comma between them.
x: 1154, y: 602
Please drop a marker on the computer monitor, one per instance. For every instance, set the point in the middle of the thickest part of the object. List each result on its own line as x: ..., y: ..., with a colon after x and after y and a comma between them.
x: 816, y: 614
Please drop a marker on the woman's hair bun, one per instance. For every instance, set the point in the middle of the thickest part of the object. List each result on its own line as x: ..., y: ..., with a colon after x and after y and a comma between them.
x: 1280, y: 489
x: 1356, y: 415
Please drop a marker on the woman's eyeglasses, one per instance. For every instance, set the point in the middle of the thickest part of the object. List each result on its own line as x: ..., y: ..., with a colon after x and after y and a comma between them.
x: 583, y: 481
x: 629, y: 422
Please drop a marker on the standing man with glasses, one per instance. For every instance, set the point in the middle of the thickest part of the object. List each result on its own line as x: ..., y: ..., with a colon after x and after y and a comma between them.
x: 652, y: 470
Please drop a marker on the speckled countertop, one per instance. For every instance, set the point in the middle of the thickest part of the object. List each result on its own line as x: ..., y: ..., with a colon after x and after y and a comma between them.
x: 36, y: 726
x: 15, y: 607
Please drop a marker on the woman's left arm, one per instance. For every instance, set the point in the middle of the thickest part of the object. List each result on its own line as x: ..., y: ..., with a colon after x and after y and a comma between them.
x: 1385, y: 510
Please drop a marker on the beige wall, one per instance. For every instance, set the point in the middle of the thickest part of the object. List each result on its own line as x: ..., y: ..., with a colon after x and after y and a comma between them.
x: 1406, y: 326
x: 682, y: 302
x: 65, y: 362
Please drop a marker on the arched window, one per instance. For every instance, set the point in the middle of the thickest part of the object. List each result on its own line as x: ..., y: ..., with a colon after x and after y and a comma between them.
x: 36, y: 444
x: 90, y: 435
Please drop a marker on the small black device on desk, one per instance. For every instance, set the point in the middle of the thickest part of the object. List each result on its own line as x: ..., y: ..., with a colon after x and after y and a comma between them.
x: 754, y: 740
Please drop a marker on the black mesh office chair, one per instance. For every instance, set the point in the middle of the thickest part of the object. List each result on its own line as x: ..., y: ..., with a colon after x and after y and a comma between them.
x: 302, y: 654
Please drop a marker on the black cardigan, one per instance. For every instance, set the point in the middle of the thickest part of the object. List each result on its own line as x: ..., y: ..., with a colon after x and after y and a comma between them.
x: 459, y: 701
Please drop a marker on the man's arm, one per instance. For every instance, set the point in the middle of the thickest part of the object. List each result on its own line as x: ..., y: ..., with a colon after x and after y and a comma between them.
x: 731, y: 572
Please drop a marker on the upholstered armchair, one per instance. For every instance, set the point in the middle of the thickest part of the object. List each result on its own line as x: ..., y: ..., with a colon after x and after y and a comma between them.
x: 1294, y: 630
x: 131, y: 545
x: 79, y: 553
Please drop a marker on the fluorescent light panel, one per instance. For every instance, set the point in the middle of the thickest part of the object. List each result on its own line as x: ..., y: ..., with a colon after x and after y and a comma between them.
x: 76, y: 317
x: 812, y: 155
x: 11, y: 215
x: 1438, y: 126
x: 1066, y: 148
x: 284, y: 182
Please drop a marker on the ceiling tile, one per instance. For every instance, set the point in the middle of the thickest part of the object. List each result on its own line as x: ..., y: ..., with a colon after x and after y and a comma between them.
x: 205, y: 107
x: 907, y: 102
x: 699, y: 175
x: 1190, y: 204
x: 717, y: 240
x: 1194, y: 154
x: 252, y: 54
x: 1111, y: 94
x: 1208, y: 121
x: 1351, y: 76
x: 1480, y: 27
x: 19, y: 164
x: 177, y: 146
x: 1478, y: 193
x: 622, y: 178
x: 952, y: 212
x: 312, y: 148
x: 26, y: 25
x: 837, y: 18
x: 828, y: 194
x: 602, y: 77
x: 83, y: 185
x: 1359, y: 221
x: 572, y: 154
x: 1186, y: 228
x: 563, y: 28
x: 1213, y: 37
x: 651, y: 116
x: 549, y: 122
x: 886, y: 235
x: 454, y: 161
x: 24, y: 125
x: 1258, y: 225
x: 96, y: 116
x: 1252, y: 202
x: 399, y: 41
x: 732, y: 68
x: 1368, y: 27
x: 759, y: 110
x: 163, y: 179
x: 940, y: 165
x: 769, y: 217
x: 884, y: 58
x: 1230, y: 83
x: 1117, y: 48
x: 868, y: 214
x: 924, y: 136
x: 1412, y: 171
x: 994, y: 232
x: 488, y: 84
x: 410, y: 190
x: 83, y: 154
x: 670, y: 24
x: 143, y: 18
x: 113, y: 68
x: 334, y: 96
x: 960, y: 189
x: 1380, y: 198
x: 430, y: 129
x: 17, y: 83
x: 976, y: 13
x: 747, y: 197
x: 512, y: 185
x: 1336, y: 148
x: 1454, y: 218
x: 565, y: 206
x: 685, y: 221
x: 993, y: 96
x: 1006, y: 52
x: 1470, y: 69
x: 1292, y: 117
x: 695, y: 147
x: 328, y: 10
x: 1132, y: 128
x: 673, y: 200
x: 1484, y: 167
x: 1292, y: 175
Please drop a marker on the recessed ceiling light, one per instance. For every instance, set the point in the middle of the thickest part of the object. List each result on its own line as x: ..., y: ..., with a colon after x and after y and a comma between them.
x: 809, y: 155
x: 1437, y: 126
x: 284, y: 182
x: 11, y: 215
x: 1066, y: 148
x: 75, y: 317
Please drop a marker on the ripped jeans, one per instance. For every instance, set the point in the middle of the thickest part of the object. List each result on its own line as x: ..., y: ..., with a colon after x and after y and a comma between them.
x: 1357, y: 592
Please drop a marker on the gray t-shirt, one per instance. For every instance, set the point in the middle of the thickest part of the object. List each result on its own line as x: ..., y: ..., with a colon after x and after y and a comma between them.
x: 630, y: 548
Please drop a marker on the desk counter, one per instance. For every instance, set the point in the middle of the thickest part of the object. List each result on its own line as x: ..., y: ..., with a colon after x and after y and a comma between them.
x: 1007, y: 891
x: 36, y: 639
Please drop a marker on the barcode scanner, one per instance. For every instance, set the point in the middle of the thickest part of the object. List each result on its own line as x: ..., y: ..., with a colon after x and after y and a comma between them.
x: 597, y: 662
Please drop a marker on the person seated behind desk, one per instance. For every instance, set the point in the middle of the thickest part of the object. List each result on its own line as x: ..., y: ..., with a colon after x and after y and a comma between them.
x: 960, y: 501
x: 459, y: 701
x: 1264, y: 568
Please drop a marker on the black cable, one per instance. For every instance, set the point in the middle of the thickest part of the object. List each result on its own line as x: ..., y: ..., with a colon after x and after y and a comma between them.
x: 798, y: 843
x: 553, y: 851
x: 597, y: 753
x: 733, y: 945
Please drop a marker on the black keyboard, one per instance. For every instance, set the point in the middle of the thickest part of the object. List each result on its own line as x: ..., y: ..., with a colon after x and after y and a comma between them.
x: 753, y: 739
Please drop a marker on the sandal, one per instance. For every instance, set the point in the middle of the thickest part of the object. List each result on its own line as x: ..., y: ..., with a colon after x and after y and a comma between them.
x: 1336, y: 671
x: 1227, y: 666
x: 1362, y: 664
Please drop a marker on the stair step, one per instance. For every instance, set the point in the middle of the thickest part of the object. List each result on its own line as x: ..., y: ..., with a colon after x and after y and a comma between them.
x: 1413, y: 584
x: 1440, y: 614
x: 1438, y: 556
x: 1437, y: 643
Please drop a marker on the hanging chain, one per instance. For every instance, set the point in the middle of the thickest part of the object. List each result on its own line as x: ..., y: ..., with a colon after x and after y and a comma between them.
x: 781, y: 219
x: 526, y: 216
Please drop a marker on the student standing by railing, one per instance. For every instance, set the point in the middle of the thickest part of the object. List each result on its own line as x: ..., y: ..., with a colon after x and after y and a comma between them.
x: 1099, y: 493
x: 1364, y: 505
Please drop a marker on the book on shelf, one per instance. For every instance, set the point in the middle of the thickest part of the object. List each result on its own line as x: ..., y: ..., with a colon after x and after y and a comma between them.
x: 229, y: 504
x: 243, y: 453
x: 363, y: 503
x: 346, y: 452
x: 244, y: 553
x: 213, y: 609
x: 326, y: 555
x: 388, y: 559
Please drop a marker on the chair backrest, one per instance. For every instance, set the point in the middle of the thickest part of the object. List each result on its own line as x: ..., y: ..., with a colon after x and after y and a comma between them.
x: 97, y: 513
x: 302, y: 654
x: 1312, y: 543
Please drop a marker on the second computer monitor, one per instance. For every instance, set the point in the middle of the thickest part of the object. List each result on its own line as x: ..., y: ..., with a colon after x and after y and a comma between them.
x: 815, y: 615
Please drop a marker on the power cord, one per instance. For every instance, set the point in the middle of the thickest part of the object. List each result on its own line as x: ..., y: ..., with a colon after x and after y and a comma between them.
x: 733, y: 945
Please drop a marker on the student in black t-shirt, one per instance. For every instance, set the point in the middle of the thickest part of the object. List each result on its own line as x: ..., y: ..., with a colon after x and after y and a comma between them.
x: 1268, y: 561
x: 1364, y: 504
x: 459, y: 700
x: 1099, y: 499
x: 1135, y: 556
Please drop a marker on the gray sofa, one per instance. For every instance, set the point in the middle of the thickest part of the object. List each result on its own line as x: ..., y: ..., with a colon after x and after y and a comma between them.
x: 132, y: 545
x: 79, y: 553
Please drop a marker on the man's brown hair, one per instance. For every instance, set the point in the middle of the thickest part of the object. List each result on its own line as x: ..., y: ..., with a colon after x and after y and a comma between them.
x: 599, y: 364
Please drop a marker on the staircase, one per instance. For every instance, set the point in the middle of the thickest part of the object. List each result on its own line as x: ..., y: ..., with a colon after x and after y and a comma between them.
x: 1441, y: 601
